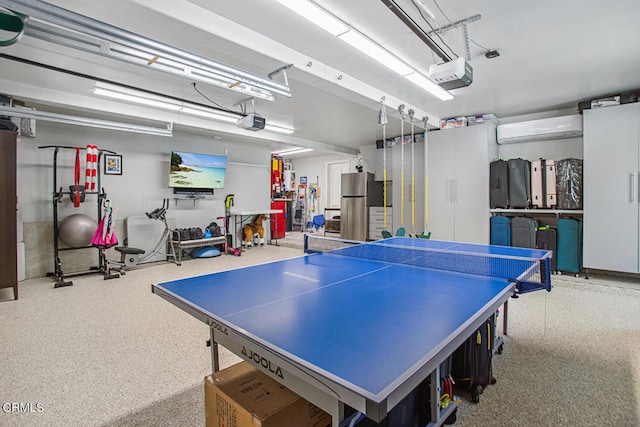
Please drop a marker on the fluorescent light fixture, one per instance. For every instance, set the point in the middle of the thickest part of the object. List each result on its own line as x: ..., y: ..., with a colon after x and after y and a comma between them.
x: 146, y: 100
x: 208, y: 114
x: 278, y: 128
x: 324, y: 19
x: 162, y: 102
x: 64, y: 27
x: 425, y: 9
x: 85, y: 121
x: 429, y: 85
x: 375, y: 51
x: 316, y: 15
x: 290, y: 151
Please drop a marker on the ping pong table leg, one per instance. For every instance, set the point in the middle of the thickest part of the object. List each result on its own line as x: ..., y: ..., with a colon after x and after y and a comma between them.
x: 504, y: 317
x: 215, y: 362
x: 337, y: 417
x: 435, y: 394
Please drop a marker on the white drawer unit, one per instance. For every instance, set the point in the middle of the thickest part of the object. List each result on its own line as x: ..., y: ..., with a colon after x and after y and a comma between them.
x: 376, y: 221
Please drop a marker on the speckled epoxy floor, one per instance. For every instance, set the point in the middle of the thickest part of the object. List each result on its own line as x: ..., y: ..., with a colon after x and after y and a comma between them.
x: 110, y: 353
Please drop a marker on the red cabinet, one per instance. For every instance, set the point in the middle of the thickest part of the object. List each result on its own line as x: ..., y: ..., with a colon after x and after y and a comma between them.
x: 279, y: 220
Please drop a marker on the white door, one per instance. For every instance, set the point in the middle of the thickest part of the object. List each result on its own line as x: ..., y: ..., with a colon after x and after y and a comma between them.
x: 441, y: 184
x: 334, y: 173
x: 470, y: 187
x: 610, y: 186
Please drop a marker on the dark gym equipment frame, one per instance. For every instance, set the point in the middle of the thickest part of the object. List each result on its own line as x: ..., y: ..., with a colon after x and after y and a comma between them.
x: 57, y: 198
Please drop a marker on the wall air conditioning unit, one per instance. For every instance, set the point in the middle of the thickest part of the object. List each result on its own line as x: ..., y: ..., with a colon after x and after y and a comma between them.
x: 539, y: 130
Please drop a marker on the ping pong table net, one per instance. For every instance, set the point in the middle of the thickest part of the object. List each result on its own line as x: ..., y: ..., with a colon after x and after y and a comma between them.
x: 528, y: 272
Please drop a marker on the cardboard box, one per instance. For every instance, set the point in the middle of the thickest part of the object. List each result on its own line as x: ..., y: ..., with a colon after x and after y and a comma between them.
x: 242, y: 396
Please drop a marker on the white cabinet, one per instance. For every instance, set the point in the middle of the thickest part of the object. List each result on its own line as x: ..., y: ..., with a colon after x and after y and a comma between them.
x: 611, y: 188
x: 458, y: 171
x: 376, y: 222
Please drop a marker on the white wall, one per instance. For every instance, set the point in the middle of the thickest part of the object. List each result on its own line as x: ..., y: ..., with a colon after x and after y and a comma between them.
x: 144, y: 182
x: 555, y: 149
x: 141, y: 188
x: 315, y: 168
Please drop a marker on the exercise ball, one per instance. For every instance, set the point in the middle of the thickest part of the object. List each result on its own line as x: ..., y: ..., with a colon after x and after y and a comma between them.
x: 77, y: 230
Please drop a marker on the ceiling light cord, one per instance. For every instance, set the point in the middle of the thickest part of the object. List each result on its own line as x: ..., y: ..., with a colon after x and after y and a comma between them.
x: 417, y: 29
x: 227, y: 109
x: 420, y: 11
x: 107, y: 81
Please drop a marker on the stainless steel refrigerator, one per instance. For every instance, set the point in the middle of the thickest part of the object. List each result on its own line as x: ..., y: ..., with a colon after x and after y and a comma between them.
x: 354, y: 218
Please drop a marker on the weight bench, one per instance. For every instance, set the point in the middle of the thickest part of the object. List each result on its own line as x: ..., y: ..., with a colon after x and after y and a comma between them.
x: 129, y: 256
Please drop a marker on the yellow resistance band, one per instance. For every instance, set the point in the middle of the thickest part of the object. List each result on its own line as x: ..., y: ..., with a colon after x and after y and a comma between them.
x: 384, y: 196
x: 426, y: 201
x: 402, y: 187
x: 413, y: 202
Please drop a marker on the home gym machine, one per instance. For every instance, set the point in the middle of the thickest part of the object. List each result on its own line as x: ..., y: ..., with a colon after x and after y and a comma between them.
x: 79, y: 223
x: 131, y: 257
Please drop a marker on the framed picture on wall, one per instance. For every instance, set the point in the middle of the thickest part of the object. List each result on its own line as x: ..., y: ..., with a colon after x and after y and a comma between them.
x: 112, y: 164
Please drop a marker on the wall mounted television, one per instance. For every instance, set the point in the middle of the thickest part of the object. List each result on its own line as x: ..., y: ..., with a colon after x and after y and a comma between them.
x: 196, y: 173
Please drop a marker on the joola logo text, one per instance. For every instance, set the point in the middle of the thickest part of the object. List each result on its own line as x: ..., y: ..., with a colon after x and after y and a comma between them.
x: 262, y: 361
x: 218, y: 327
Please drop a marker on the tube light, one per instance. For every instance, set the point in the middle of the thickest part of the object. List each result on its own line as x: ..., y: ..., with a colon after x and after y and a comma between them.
x: 290, y: 151
x: 332, y: 24
x: 63, y: 27
x: 316, y: 15
x: 85, y: 121
x: 278, y: 128
x: 144, y: 98
x: 375, y: 51
x: 135, y: 98
x: 208, y: 114
x: 429, y: 85
x: 140, y: 97
x: 424, y: 8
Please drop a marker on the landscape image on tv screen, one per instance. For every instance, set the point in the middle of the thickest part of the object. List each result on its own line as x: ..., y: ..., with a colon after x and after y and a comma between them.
x: 191, y: 170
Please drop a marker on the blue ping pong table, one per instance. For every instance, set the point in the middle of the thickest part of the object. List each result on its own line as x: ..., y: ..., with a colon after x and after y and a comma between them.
x: 361, y: 325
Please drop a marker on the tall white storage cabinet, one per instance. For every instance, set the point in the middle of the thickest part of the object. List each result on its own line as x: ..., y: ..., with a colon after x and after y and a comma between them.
x: 458, y: 169
x: 611, y: 188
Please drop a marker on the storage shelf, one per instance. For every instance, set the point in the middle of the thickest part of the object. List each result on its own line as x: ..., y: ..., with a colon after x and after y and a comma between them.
x: 193, y: 198
x: 540, y: 211
x: 331, y: 226
x: 198, y: 243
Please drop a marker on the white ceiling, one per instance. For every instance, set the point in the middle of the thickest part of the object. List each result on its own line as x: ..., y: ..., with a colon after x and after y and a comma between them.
x: 552, y: 55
